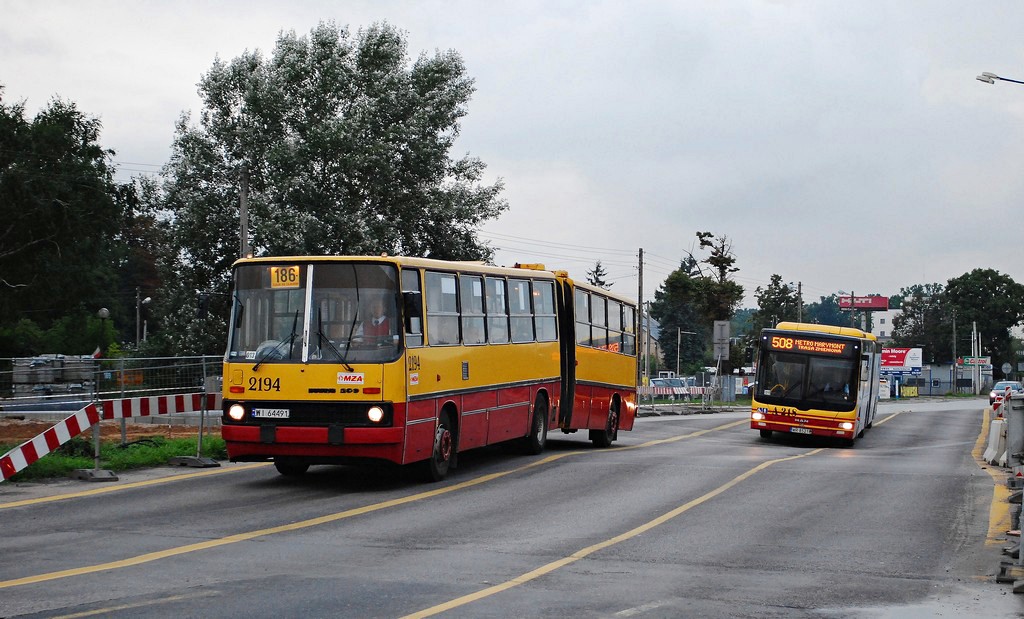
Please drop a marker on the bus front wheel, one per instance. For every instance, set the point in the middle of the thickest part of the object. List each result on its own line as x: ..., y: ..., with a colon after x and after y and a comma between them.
x: 766, y: 433
x: 436, y: 468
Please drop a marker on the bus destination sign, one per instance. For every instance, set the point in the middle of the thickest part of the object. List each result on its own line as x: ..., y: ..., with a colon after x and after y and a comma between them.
x: 796, y: 343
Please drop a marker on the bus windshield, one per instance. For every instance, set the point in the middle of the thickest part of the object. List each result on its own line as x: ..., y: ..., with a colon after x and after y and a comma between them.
x: 808, y: 381
x: 323, y: 312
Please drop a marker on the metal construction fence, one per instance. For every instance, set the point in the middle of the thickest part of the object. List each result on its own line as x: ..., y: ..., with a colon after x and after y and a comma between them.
x: 65, y: 382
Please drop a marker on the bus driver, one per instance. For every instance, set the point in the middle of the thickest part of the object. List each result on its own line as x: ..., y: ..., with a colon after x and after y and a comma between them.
x: 377, y: 324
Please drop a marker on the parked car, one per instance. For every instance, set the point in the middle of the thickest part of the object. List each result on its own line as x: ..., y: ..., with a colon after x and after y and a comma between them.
x: 1000, y: 389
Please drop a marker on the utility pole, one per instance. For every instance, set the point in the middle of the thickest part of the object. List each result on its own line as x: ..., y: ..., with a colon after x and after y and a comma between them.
x: 679, y: 341
x: 138, y: 312
x: 975, y: 352
x: 679, y: 345
x: 799, y: 302
x: 640, y: 325
x: 243, y: 211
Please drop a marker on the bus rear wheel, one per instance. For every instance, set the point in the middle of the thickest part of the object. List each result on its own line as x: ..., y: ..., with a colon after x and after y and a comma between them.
x: 436, y: 467
x: 534, y: 442
x: 604, y: 438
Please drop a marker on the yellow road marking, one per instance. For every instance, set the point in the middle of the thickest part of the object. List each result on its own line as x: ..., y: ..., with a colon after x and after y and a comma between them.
x: 881, y: 421
x: 580, y: 554
x: 295, y: 526
x: 999, y: 510
x: 134, y: 484
x: 112, y: 609
x: 663, y: 441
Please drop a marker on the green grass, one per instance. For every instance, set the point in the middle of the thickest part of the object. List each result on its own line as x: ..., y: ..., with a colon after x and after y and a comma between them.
x: 145, y: 453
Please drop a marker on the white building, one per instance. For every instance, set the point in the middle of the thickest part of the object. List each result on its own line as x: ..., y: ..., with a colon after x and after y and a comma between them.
x: 882, y: 324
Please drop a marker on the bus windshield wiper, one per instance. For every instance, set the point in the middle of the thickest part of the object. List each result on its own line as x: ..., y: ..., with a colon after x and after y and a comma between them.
x: 323, y: 338
x: 275, y: 349
x: 355, y: 320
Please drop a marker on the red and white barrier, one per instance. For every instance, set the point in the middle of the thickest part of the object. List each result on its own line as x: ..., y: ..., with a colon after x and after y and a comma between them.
x: 28, y: 452
x: 681, y: 391
x: 158, y: 405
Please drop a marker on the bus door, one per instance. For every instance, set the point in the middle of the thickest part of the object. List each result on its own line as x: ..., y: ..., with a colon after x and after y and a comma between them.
x: 567, y: 352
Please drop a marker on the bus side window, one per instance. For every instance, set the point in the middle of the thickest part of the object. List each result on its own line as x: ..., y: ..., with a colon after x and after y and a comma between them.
x: 497, y: 311
x: 629, y: 330
x: 442, y: 309
x: 544, y: 311
x: 599, y: 320
x: 472, y: 295
x: 614, y: 326
x: 520, y: 312
x: 583, y: 318
x: 413, y: 315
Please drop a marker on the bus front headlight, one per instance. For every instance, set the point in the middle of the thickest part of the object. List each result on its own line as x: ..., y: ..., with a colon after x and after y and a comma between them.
x: 846, y: 425
x: 756, y: 416
x: 236, y: 412
x: 375, y: 414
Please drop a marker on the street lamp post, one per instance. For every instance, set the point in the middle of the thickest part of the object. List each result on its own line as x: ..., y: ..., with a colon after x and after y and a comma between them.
x: 990, y: 78
x: 138, y: 313
x: 679, y: 339
x: 853, y: 319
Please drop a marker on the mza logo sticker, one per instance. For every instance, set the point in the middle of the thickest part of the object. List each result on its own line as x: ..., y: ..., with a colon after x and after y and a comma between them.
x: 349, y: 378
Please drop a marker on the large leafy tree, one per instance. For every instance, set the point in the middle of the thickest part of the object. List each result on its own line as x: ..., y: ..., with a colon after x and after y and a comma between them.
x: 941, y: 318
x: 344, y: 147
x: 61, y: 216
x: 692, y: 297
x: 776, y: 302
x: 926, y: 322
x: 991, y: 302
x: 826, y: 311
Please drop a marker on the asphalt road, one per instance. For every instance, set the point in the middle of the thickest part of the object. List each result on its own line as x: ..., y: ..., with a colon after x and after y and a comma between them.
x: 688, y: 516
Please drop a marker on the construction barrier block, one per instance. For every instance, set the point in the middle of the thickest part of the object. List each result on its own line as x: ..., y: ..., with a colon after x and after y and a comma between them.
x: 28, y: 452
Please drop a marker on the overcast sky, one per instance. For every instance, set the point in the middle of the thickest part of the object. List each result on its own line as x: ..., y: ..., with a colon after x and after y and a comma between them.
x: 844, y: 145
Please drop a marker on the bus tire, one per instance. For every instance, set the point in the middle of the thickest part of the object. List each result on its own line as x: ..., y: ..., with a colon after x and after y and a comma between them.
x: 604, y: 438
x: 846, y: 443
x: 437, y: 465
x: 766, y: 434
x: 534, y: 442
x: 291, y: 468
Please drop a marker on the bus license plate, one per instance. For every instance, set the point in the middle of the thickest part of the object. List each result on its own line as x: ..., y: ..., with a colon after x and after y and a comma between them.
x: 270, y: 413
x: 800, y: 430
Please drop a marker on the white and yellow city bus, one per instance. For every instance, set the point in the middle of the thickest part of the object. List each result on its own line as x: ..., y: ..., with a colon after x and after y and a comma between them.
x: 816, y: 379
x: 411, y: 360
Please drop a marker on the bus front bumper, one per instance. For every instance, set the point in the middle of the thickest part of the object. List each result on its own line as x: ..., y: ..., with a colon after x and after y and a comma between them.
x: 252, y: 442
x: 815, y: 427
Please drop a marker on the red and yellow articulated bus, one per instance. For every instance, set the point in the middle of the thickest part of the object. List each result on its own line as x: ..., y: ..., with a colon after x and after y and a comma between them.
x: 816, y: 379
x: 408, y: 360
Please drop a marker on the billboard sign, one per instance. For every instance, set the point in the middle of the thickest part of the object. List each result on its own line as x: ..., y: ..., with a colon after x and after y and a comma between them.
x: 901, y: 360
x: 864, y: 303
x: 983, y: 361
